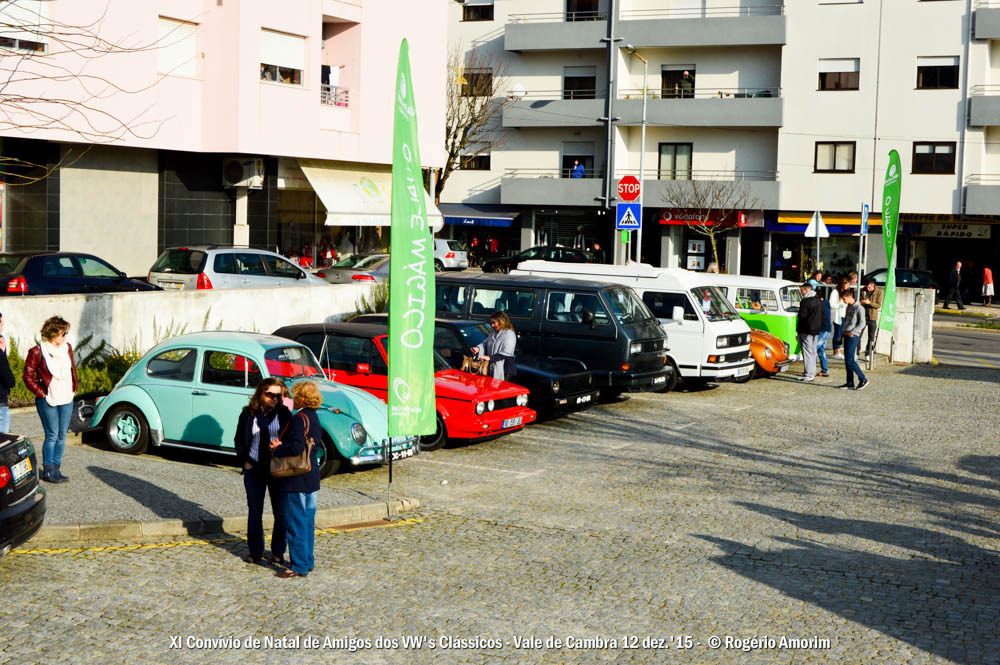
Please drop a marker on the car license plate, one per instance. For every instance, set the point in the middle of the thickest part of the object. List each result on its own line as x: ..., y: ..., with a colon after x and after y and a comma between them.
x: 742, y: 371
x: 659, y: 379
x: 171, y: 285
x: 511, y: 422
x: 403, y: 454
x: 21, y: 469
x: 583, y: 400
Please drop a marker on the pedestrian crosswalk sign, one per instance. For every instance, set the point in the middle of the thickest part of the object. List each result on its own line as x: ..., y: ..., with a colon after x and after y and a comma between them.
x: 628, y: 216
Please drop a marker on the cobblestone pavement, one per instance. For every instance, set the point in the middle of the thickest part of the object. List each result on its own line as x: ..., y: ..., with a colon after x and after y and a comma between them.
x: 769, y: 510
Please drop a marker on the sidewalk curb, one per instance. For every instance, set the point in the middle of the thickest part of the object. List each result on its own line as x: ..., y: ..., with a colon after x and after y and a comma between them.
x: 138, y: 531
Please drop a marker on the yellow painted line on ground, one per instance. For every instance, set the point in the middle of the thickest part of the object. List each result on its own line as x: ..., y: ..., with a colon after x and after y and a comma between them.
x: 205, y: 541
x: 971, y: 355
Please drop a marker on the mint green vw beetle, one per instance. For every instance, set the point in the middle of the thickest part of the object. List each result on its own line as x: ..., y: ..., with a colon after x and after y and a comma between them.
x: 187, y: 392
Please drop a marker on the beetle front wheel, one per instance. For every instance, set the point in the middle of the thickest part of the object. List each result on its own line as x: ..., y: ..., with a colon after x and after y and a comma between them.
x: 126, y: 430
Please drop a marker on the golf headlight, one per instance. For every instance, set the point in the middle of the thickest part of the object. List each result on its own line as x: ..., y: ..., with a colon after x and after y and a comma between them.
x: 490, y: 405
x: 480, y: 408
x: 767, y: 353
x: 721, y: 342
x: 522, y: 400
x: 636, y: 347
x: 359, y: 434
x: 555, y: 387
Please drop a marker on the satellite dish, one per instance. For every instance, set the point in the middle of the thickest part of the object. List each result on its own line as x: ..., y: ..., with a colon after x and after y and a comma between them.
x: 517, y: 91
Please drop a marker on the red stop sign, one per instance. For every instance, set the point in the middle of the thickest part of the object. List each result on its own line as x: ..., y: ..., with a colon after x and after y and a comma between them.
x: 628, y: 188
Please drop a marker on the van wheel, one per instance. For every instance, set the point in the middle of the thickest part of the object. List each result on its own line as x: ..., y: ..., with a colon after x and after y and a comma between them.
x: 750, y: 375
x: 610, y: 394
x: 435, y: 441
x: 126, y: 430
x: 328, y: 456
x: 674, y: 378
x: 438, y: 266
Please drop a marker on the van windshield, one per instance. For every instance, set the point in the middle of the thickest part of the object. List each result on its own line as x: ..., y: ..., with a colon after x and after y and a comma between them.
x: 626, y: 306
x: 790, y: 297
x: 713, y: 304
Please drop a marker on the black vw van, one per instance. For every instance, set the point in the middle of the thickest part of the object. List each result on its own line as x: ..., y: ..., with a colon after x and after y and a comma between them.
x: 605, y: 325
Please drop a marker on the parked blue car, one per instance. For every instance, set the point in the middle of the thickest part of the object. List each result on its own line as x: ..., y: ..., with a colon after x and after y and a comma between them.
x: 187, y: 392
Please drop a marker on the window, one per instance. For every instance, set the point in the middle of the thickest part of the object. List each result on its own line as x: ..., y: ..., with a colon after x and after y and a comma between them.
x: 579, y: 82
x: 578, y: 160
x: 582, y: 10
x: 278, y: 267
x: 936, y: 157
x: 675, y: 161
x: 26, y: 25
x: 290, y: 362
x: 282, y: 57
x: 478, y: 83
x: 576, y: 308
x: 228, y: 369
x: 677, y: 81
x: 177, y: 48
x: 341, y: 353
x: 839, y: 74
x: 756, y: 300
x: 662, y: 304
x: 834, y: 157
x: 23, y: 45
x: 934, y: 73
x: 92, y: 267
x: 479, y: 162
x: 60, y: 266
x: 477, y: 11
x: 450, y: 298
x: 447, y: 344
x: 173, y: 365
x: 517, y: 304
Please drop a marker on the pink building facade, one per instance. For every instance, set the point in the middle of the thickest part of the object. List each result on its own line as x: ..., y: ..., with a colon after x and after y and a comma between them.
x: 209, y: 122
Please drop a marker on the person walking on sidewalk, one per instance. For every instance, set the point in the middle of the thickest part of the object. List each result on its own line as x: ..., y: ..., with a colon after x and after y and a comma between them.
x: 260, y: 421
x: 987, y: 286
x: 854, y: 325
x: 299, y: 492
x: 7, y: 382
x: 871, y: 300
x: 955, y: 286
x: 807, y: 328
x: 50, y: 373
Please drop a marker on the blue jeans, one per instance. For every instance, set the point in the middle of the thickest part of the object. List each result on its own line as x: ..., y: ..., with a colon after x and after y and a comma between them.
x: 256, y: 487
x: 4, y: 418
x: 821, y: 350
x: 299, y: 509
x: 851, y: 359
x: 55, y: 422
x: 838, y: 340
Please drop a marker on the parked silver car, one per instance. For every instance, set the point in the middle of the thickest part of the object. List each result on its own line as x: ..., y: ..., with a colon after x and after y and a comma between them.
x: 216, y: 267
x: 371, y: 268
x: 450, y: 255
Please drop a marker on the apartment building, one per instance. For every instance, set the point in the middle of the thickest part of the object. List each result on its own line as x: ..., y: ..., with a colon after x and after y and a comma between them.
x: 208, y: 121
x: 796, y: 103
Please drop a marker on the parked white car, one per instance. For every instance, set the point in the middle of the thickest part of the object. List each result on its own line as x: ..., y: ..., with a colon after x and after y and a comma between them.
x: 214, y: 267
x: 450, y: 255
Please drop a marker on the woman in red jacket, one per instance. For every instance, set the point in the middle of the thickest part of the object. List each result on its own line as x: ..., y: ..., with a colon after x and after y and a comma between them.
x: 50, y: 373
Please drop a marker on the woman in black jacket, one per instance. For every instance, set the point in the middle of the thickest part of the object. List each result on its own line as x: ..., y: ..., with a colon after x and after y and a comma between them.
x: 299, y: 492
x: 260, y: 422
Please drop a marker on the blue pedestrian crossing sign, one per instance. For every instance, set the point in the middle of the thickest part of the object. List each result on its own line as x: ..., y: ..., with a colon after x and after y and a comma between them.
x: 629, y: 216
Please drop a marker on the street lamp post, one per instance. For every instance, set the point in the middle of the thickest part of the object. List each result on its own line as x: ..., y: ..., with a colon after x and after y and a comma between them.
x: 642, y: 149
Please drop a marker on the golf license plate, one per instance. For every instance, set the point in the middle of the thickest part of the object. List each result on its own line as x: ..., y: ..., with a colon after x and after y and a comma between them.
x: 21, y: 469
x: 403, y: 454
x: 511, y: 422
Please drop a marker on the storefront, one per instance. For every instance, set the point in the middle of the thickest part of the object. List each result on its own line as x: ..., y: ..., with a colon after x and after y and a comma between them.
x: 487, y: 230
x: 684, y: 245
x: 939, y: 241
x: 793, y: 255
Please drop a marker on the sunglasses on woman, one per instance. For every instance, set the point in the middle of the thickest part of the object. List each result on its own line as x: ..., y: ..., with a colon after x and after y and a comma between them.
x: 272, y: 395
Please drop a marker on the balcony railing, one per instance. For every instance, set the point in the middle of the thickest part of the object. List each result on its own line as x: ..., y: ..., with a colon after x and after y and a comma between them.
x: 983, y: 90
x: 702, y: 12
x: 982, y: 179
x: 552, y: 173
x: 986, y: 4
x: 688, y: 174
x: 332, y: 95
x: 701, y: 93
x: 557, y: 17
x: 557, y: 94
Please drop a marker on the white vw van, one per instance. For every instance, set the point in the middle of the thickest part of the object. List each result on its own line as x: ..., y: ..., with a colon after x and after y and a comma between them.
x: 707, y: 339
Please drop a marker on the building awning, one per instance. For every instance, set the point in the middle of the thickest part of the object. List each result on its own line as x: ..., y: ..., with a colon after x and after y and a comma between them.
x: 461, y: 214
x: 359, y: 195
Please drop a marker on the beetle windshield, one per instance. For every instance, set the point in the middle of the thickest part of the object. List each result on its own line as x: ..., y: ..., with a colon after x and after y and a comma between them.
x: 292, y: 362
x: 714, y: 304
x: 626, y: 306
x: 474, y: 334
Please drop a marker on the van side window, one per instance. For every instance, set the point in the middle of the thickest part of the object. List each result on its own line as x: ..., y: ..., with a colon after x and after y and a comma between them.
x: 573, y: 308
x: 756, y: 300
x: 662, y: 304
x: 450, y: 297
x: 517, y: 304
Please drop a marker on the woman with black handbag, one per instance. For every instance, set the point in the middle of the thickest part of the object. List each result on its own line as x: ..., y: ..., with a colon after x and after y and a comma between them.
x: 298, y: 492
x: 260, y: 421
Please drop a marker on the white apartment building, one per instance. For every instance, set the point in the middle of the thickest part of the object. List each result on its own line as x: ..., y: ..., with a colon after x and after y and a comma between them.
x: 800, y: 103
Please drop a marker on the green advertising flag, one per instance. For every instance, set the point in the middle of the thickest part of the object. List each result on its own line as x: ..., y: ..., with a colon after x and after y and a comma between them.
x: 890, y: 223
x: 411, y: 274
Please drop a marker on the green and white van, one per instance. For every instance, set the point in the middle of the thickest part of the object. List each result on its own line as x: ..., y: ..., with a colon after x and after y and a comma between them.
x: 765, y: 303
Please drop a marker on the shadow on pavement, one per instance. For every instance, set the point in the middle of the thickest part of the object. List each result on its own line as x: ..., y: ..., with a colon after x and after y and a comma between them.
x: 955, y: 372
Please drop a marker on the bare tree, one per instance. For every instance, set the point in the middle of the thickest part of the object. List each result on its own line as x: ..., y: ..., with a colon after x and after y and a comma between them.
x: 51, y: 81
x: 711, y: 207
x: 476, y: 95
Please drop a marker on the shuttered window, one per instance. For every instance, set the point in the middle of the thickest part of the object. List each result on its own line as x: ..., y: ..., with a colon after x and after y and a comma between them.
x: 177, y: 48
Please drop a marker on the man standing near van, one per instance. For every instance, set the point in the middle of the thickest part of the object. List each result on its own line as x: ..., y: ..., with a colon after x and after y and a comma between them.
x: 807, y: 328
x: 871, y: 300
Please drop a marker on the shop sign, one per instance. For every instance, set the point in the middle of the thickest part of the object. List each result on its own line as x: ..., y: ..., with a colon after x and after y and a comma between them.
x: 970, y: 231
x: 683, y: 216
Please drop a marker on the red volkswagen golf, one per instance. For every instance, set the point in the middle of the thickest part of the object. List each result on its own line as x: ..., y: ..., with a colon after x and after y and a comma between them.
x: 468, y: 406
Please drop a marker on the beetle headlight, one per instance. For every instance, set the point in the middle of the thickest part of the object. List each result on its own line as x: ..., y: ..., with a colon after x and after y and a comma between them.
x: 359, y: 434
x: 787, y: 348
x: 767, y: 353
x: 635, y: 347
x: 522, y: 400
x: 490, y: 405
x: 480, y: 408
x: 555, y: 387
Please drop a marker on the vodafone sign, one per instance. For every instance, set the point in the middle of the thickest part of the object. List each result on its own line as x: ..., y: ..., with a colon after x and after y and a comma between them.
x: 628, y: 188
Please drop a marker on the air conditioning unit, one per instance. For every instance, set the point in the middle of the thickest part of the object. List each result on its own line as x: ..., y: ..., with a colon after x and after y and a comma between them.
x: 243, y: 172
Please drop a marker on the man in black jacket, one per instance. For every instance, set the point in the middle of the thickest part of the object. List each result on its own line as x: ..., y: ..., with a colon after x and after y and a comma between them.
x: 7, y: 382
x: 954, y: 286
x: 807, y: 328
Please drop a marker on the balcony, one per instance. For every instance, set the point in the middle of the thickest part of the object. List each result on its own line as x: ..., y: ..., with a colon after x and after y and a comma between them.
x: 987, y: 19
x: 720, y: 107
x: 984, y: 105
x: 707, y: 26
x: 554, y: 108
x: 982, y: 194
x: 331, y: 95
x: 763, y: 185
x: 551, y: 187
x: 555, y: 31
